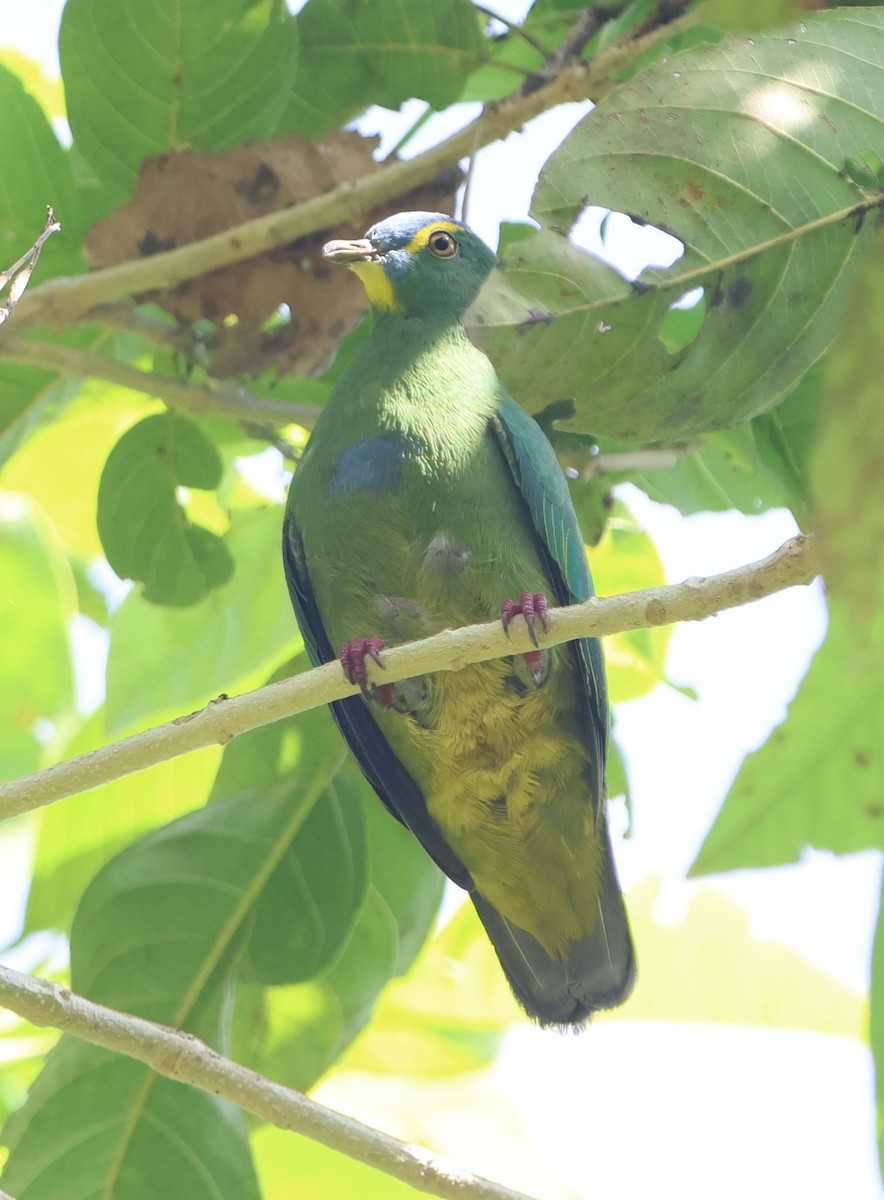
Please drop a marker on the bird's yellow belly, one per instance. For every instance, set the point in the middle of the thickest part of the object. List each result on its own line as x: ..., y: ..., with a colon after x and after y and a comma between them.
x: 501, y: 763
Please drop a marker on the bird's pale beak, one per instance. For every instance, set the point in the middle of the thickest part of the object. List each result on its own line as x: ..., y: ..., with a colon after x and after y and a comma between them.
x: 342, y: 251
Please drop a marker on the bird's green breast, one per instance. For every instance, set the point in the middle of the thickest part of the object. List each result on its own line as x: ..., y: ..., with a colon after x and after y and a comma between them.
x: 411, y: 522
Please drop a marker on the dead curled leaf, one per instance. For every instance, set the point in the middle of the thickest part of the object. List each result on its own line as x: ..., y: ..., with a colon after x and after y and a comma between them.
x: 189, y: 194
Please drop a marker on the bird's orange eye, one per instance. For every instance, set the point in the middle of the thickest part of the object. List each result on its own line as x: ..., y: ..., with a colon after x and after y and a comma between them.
x: 442, y: 244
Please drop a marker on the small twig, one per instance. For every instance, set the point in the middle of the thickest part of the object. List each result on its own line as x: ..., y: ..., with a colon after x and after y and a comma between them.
x: 573, y: 44
x: 452, y: 650
x: 650, y: 459
x: 666, y: 12
x: 517, y: 30
x: 126, y: 316
x: 19, y: 274
x: 193, y: 397
x: 185, y: 1058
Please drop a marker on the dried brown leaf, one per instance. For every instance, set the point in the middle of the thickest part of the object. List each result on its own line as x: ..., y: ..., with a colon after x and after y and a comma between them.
x: 190, y: 194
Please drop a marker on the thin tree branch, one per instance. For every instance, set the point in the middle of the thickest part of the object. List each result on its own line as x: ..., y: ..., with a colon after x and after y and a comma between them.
x: 573, y: 44
x: 182, y: 1057
x: 516, y: 30
x: 224, y: 719
x: 65, y: 300
x: 19, y: 274
x: 193, y: 397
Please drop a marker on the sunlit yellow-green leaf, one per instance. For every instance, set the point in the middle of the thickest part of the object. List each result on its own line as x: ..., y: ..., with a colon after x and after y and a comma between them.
x: 75, y: 446
x: 447, y: 1015
x: 819, y: 778
x: 626, y: 560
x: 37, y: 599
x: 709, y: 967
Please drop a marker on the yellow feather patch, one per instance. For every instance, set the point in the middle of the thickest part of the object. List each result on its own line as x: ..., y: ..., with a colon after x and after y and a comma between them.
x: 377, y: 286
x: 420, y: 239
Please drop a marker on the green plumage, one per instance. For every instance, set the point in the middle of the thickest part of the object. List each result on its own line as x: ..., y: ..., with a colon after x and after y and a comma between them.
x: 424, y: 500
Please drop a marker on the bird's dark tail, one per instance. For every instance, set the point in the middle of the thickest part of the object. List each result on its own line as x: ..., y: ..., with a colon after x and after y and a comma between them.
x: 599, y: 972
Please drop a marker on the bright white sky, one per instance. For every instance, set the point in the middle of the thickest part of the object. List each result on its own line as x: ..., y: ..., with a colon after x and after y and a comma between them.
x: 641, y: 1108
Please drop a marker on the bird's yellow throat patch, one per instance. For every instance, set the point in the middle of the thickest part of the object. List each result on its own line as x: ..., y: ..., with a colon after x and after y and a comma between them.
x: 377, y: 286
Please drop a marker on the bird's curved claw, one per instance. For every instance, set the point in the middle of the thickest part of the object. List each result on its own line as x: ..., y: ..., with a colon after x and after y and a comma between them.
x: 533, y: 606
x: 353, y: 656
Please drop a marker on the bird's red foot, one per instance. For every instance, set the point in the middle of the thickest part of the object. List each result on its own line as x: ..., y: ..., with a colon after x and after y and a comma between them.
x: 353, y: 656
x: 533, y: 606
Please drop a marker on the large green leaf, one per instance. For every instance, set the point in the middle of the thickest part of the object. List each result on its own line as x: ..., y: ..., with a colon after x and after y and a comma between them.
x: 709, y: 145
x: 76, y: 839
x: 146, y: 77
x: 297, y: 1033
x: 33, y: 397
x: 143, y: 527
x: 158, y: 933
x: 354, y: 55
x: 73, y: 1137
x: 164, y: 661
x: 308, y: 904
x: 83, y: 431
x: 35, y: 174
x: 37, y: 599
x: 759, y: 465
x: 848, y: 462
x: 819, y: 778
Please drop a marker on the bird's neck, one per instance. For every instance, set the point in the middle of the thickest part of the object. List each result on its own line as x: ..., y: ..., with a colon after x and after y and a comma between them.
x: 400, y: 339
x: 422, y: 380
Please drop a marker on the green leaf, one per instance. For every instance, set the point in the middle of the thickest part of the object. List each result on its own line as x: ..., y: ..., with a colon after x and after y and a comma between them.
x: 848, y: 463
x: 308, y: 905
x: 75, y: 840
x: 73, y: 1136
x: 158, y: 933
x: 37, y: 599
x: 354, y: 55
x: 35, y: 174
x: 33, y: 397
x: 447, y: 1015
x: 757, y: 982
x: 302, y: 1031
x: 626, y: 560
x: 321, y: 1173
x: 151, y: 77
x: 166, y: 661
x: 819, y: 779
x: 707, y: 145
x: 82, y: 431
x: 144, y: 530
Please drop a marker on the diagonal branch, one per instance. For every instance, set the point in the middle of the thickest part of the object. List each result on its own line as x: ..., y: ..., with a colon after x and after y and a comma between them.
x: 182, y: 1057
x: 224, y: 719
x: 192, y: 397
x: 62, y: 301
